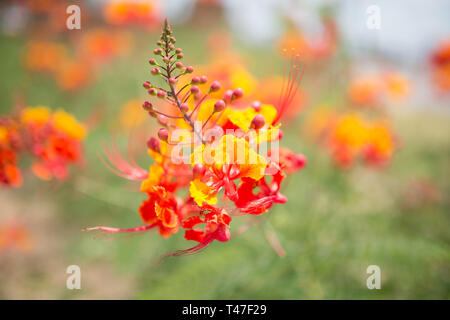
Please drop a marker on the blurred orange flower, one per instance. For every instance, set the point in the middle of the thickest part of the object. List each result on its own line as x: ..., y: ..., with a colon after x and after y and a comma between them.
x: 14, y: 234
x: 45, y: 56
x: 365, y: 90
x: 370, y: 90
x: 100, y: 45
x: 137, y: 13
x: 440, y: 60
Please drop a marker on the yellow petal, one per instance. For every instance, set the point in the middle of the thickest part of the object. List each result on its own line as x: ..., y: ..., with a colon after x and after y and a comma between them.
x: 201, y: 193
x: 66, y: 123
x: 154, y: 177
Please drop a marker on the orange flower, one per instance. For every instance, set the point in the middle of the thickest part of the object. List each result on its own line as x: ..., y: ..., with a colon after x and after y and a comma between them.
x: 16, y: 235
x: 141, y: 13
x: 397, y: 86
x: 55, y: 140
x: 353, y: 136
x: 160, y: 210
x: 9, y: 146
x: 100, y: 45
x: 45, y: 56
x: 365, y: 90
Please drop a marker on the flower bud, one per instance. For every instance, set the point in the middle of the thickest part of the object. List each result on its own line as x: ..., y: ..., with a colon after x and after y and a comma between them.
x: 166, y: 60
x: 256, y: 105
x: 152, y: 61
x: 178, y: 50
x: 157, y: 51
x: 215, y: 86
x: 173, y: 80
x: 159, y: 43
x: 163, y: 134
x: 238, y: 93
x: 195, y: 80
x: 203, y: 79
x: 219, y: 106
x: 147, y: 106
x: 162, y: 119
x: 194, y: 89
x: 179, y: 65
x: 161, y: 94
x: 152, y: 91
x: 146, y: 84
x: 155, y: 71
x: 184, y: 107
x: 152, y: 113
x: 198, y: 170
x: 180, y: 55
x: 258, y: 122
x: 300, y: 161
x: 153, y: 144
x: 227, y: 95
x: 190, y: 69
x: 171, y: 46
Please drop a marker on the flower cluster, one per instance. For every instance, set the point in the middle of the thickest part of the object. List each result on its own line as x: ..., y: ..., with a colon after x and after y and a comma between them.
x: 13, y: 234
x: 212, y: 161
x: 54, y: 140
x: 372, y: 90
x: 440, y: 61
x: 137, y: 13
x: 74, y: 72
x: 350, y: 136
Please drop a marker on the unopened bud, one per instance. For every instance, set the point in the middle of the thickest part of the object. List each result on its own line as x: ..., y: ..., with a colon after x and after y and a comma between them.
x: 152, y: 113
x: 173, y: 80
x: 227, y: 95
x: 152, y: 61
x: 238, y: 93
x: 163, y: 134
x: 258, y: 122
x: 153, y: 144
x: 215, y: 86
x: 161, y: 94
x: 195, y: 80
x: 190, y: 69
x: 219, y: 106
x: 147, y: 85
x: 203, y: 79
x: 147, y: 106
x: 152, y: 91
x: 180, y: 55
x: 155, y: 71
x: 184, y: 107
x: 179, y: 65
x: 178, y: 50
x: 300, y: 161
x: 162, y: 119
x: 195, y: 89
x: 198, y: 170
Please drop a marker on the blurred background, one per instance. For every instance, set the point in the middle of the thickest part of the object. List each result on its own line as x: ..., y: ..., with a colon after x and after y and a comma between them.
x: 376, y: 69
